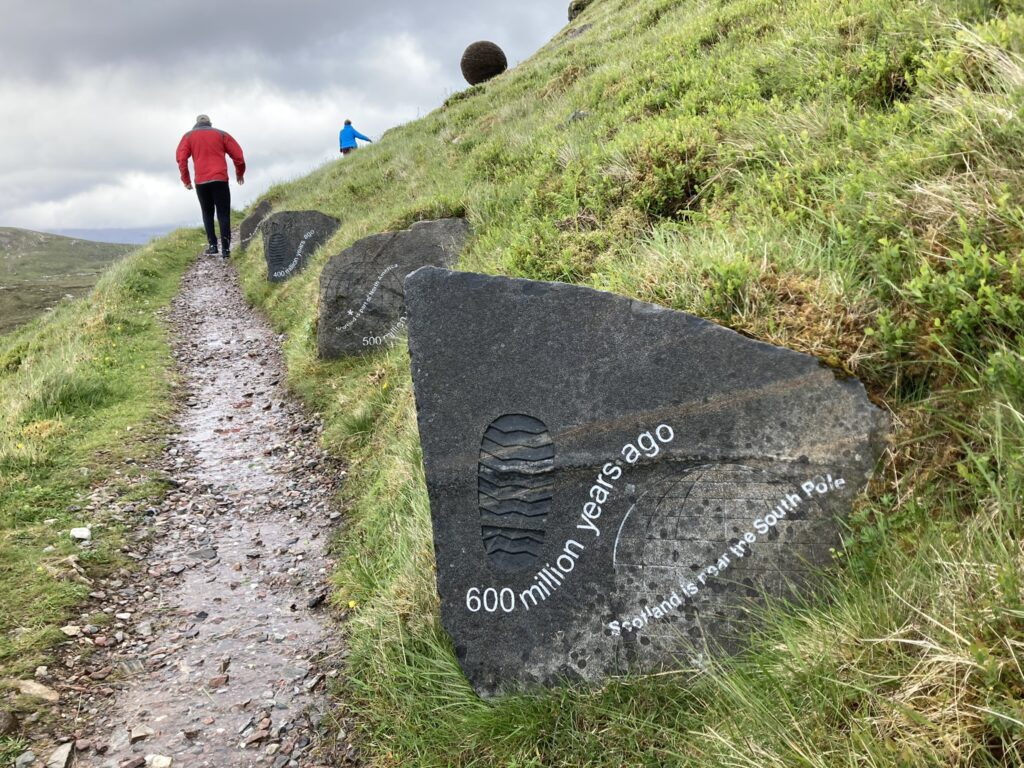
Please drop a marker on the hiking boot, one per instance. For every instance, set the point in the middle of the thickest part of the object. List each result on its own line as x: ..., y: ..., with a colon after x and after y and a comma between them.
x: 211, y: 250
x: 226, y: 254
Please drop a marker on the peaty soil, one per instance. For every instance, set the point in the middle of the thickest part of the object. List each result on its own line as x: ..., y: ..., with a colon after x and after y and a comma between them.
x: 219, y: 652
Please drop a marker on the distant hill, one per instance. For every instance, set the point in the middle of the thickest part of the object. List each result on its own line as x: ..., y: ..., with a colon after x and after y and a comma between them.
x: 134, y: 235
x: 37, y: 270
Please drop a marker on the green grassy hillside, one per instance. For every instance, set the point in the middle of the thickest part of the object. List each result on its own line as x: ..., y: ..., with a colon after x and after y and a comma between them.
x: 37, y: 270
x: 843, y: 178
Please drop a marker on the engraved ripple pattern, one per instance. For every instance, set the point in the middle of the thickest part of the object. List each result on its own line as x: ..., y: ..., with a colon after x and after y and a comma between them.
x: 515, y: 485
x: 278, y: 257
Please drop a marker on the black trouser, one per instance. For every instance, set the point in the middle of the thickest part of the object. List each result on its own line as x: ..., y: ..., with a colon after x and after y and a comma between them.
x: 216, y: 195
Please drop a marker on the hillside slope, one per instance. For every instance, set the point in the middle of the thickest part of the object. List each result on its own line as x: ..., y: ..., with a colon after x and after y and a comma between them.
x: 841, y: 178
x: 845, y: 179
x: 38, y: 269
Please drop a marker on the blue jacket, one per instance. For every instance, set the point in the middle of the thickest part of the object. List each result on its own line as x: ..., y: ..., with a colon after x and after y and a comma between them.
x: 348, y: 136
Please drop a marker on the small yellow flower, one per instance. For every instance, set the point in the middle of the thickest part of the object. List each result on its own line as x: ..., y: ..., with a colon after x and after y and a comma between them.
x: 351, y: 603
x: 384, y: 387
x: 21, y: 446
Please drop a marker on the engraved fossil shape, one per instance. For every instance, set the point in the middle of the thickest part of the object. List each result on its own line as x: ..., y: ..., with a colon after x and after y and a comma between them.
x: 515, y: 480
x: 277, y: 249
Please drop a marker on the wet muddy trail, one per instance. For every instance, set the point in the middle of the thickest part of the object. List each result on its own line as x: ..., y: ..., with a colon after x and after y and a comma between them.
x: 226, y: 652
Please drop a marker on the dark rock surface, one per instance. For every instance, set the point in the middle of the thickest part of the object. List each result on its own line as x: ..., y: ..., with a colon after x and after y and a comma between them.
x: 289, y: 239
x: 362, y: 300
x: 613, y: 484
x: 252, y: 222
x: 482, y: 61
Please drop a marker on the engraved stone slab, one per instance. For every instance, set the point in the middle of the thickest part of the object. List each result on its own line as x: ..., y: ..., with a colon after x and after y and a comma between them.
x: 289, y: 239
x: 251, y: 223
x: 362, y: 299
x: 613, y: 485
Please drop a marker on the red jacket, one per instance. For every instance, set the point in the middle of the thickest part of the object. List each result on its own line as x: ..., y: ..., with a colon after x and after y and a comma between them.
x: 207, y: 147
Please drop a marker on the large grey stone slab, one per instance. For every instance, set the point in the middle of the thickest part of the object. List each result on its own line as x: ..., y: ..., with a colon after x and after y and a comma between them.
x: 250, y: 224
x: 289, y: 239
x: 362, y: 298
x: 613, y: 485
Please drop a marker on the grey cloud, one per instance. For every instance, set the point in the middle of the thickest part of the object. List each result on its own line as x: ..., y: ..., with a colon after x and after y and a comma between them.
x: 57, y: 38
x: 95, y: 91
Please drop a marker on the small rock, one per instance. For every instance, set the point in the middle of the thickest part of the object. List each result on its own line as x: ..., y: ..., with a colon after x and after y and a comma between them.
x: 8, y: 723
x: 25, y: 760
x: 158, y: 761
x: 37, y: 690
x: 61, y: 756
x: 134, y: 762
x: 140, y: 733
x: 102, y: 674
x: 314, y: 682
x: 145, y: 629
x: 256, y: 737
x: 81, y: 534
x: 207, y: 553
x: 219, y: 681
x: 72, y: 631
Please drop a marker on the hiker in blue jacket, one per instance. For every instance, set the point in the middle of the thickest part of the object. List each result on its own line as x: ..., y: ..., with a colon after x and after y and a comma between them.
x: 348, y: 137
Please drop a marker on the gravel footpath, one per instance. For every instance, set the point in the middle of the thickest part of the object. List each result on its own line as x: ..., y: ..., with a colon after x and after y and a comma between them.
x: 218, y: 652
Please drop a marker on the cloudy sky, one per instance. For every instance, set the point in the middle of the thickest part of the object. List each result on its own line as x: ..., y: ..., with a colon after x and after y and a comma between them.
x: 95, y: 94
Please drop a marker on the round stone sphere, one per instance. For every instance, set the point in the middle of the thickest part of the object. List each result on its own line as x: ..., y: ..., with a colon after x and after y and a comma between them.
x: 482, y: 61
x: 576, y: 7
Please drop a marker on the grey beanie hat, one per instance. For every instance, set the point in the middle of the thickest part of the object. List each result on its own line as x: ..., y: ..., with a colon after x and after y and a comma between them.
x: 203, y: 120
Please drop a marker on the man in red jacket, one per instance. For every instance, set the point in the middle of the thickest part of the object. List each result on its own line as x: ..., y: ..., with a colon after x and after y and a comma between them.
x: 207, y: 146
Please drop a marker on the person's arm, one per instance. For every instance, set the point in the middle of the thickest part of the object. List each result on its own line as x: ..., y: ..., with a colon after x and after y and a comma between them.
x: 235, y: 153
x: 360, y: 136
x: 183, y: 154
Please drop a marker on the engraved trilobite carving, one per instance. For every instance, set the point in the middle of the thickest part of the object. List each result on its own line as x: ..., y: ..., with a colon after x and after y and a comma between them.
x: 515, y: 482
